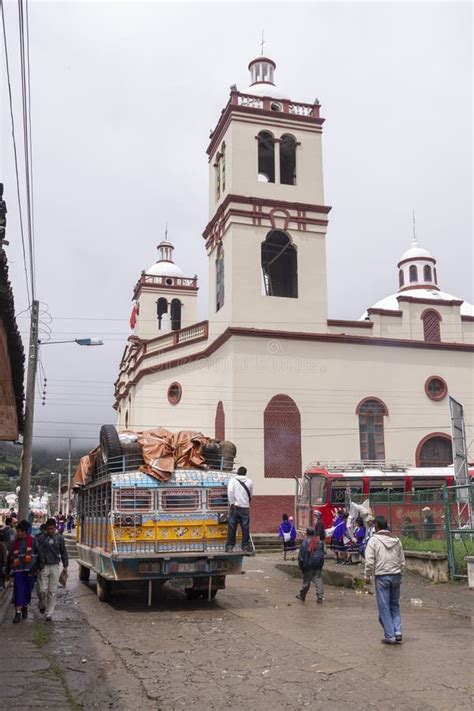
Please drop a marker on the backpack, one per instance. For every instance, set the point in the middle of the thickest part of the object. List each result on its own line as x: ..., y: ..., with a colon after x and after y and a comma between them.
x: 314, y: 560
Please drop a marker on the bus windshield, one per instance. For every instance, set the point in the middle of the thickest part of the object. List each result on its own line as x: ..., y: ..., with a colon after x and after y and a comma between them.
x: 319, y: 487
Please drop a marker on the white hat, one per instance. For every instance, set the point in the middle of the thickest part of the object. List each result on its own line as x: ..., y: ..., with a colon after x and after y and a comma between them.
x: 427, y: 508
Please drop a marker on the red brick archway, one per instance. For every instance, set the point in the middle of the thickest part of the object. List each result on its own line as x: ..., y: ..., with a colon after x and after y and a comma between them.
x: 282, y: 438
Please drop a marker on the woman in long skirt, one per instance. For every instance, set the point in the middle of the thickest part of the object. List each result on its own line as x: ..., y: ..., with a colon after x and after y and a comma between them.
x: 22, y: 566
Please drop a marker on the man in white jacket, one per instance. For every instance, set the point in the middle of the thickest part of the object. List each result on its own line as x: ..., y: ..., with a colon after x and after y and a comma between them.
x: 384, y: 559
x: 239, y: 494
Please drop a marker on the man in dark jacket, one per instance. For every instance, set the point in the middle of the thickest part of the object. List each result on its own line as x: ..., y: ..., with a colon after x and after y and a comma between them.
x: 51, y: 551
x: 311, y: 561
x: 319, y: 531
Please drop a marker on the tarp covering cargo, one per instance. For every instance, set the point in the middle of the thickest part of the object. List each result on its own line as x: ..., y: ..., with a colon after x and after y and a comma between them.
x: 85, y: 467
x: 164, y: 451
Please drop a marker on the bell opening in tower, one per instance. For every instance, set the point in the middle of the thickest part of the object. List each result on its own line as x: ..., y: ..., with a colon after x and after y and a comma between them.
x: 266, y: 157
x: 279, y: 266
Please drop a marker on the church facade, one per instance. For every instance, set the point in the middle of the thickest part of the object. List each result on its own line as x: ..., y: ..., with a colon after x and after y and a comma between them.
x: 268, y: 369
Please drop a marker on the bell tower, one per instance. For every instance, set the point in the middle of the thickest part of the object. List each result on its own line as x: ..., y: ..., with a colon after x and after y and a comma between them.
x: 164, y: 299
x: 267, y: 219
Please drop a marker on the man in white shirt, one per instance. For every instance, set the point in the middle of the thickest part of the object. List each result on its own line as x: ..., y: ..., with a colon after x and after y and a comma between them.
x: 239, y: 494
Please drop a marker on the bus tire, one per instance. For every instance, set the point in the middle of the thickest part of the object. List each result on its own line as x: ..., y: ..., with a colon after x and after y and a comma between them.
x: 84, y: 573
x: 193, y: 594
x: 103, y: 589
x: 110, y: 447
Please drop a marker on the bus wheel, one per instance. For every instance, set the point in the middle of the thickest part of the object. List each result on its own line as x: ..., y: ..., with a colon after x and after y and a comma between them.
x: 84, y: 573
x: 193, y: 594
x: 103, y: 588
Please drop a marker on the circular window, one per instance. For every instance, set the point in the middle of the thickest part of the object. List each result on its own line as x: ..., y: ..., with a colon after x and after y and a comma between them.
x: 174, y: 393
x: 169, y: 281
x: 436, y: 388
x: 276, y: 107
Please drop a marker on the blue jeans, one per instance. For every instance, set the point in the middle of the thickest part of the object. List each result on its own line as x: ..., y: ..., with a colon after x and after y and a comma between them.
x: 237, y: 515
x: 387, y: 591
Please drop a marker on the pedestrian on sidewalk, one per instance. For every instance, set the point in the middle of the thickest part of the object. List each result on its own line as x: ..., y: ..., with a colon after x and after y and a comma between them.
x: 287, y: 532
x: 69, y: 523
x: 9, y: 530
x: 22, y: 565
x: 311, y: 561
x: 52, y: 551
x: 385, y: 560
x: 3, y: 557
x: 239, y: 494
x: 340, y: 537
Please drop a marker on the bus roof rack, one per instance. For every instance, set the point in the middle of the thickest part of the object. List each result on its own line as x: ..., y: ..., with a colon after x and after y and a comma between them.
x: 384, y: 465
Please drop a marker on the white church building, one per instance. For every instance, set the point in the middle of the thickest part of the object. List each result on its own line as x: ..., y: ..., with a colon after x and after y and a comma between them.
x: 268, y: 369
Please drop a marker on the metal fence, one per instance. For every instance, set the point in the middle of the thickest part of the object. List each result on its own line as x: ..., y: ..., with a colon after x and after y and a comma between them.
x: 459, y: 525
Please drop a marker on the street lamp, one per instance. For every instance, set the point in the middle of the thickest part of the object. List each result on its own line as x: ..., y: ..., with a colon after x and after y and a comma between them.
x: 27, y: 454
x: 79, y: 341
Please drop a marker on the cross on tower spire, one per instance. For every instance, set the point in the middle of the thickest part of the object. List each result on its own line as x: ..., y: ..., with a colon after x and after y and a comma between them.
x: 262, y: 43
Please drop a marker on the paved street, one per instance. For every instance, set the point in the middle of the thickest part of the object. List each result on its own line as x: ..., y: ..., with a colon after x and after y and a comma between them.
x: 256, y: 646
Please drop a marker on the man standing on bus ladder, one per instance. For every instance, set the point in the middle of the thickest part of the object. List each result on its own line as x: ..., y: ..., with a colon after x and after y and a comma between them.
x: 239, y: 494
x: 384, y: 558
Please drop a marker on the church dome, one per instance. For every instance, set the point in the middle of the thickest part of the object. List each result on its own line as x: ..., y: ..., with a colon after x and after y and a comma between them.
x: 418, y: 278
x: 262, y: 74
x: 165, y: 265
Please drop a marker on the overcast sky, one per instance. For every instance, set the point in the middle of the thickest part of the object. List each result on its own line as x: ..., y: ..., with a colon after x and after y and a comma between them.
x: 123, y: 97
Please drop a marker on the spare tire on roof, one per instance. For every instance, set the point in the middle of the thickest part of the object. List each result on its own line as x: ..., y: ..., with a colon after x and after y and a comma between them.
x: 227, y: 452
x: 132, y: 455
x: 110, y: 448
x: 211, y: 454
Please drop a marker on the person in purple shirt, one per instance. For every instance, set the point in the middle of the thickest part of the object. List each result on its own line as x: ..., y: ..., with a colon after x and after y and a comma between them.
x: 287, y: 533
x: 339, y: 535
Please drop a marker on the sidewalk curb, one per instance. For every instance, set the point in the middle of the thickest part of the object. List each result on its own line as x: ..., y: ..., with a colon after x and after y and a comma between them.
x: 330, y: 577
x: 5, y: 597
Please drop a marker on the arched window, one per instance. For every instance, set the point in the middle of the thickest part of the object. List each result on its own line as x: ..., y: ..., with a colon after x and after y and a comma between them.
x: 401, y: 278
x: 427, y: 273
x: 413, y: 273
x: 126, y: 419
x: 279, y: 265
x: 282, y: 438
x: 220, y: 422
x: 434, y: 450
x: 175, y: 314
x: 288, y: 160
x: 371, y: 412
x: 219, y: 278
x: 435, y: 275
x: 161, y: 310
x: 266, y: 157
x: 431, y: 326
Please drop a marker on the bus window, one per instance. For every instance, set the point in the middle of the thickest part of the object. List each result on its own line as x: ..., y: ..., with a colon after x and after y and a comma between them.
x: 386, y: 492
x: 304, y: 491
x: 319, y: 489
x: 427, y: 490
x: 340, y: 489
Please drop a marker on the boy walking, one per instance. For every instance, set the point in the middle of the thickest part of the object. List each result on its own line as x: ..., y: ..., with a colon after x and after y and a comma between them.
x: 384, y: 559
x: 311, y: 561
x: 52, y: 551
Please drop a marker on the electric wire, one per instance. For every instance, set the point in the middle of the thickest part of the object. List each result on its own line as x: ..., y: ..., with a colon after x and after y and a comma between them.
x: 26, y: 145
x: 15, y: 155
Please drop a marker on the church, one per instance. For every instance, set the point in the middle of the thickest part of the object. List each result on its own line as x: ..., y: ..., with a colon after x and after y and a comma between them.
x: 267, y: 369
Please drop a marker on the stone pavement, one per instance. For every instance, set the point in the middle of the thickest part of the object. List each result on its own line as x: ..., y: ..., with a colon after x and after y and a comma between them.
x: 254, y: 647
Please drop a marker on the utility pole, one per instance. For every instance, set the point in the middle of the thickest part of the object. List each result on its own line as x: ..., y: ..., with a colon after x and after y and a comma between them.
x: 27, y: 453
x: 59, y: 492
x: 68, y: 479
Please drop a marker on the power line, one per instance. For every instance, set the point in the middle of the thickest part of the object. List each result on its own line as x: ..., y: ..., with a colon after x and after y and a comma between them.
x: 24, y: 54
x: 15, y: 154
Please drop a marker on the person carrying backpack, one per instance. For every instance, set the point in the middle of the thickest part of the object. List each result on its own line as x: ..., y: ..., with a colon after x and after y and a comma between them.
x: 311, y: 561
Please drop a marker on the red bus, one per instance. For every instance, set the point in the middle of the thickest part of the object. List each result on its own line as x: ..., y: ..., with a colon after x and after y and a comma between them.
x: 398, y: 492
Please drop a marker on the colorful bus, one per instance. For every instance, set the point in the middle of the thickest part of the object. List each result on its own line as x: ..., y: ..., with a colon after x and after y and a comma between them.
x: 401, y: 493
x: 132, y: 526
